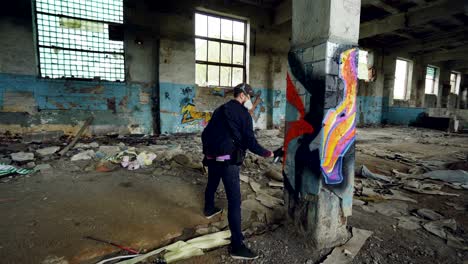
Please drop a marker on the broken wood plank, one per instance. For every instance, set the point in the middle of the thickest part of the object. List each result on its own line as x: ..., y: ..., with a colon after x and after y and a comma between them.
x: 77, y: 136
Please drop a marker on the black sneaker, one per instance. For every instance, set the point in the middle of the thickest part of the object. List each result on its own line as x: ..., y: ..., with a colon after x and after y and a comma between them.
x: 243, y: 252
x: 212, y: 213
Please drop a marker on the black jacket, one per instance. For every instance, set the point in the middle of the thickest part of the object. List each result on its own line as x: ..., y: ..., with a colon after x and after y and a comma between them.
x: 230, y: 127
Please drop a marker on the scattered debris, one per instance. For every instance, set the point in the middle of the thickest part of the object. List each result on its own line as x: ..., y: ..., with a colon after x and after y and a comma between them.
x: 85, y: 155
x: 388, y: 208
x: 47, y: 151
x: 276, y: 184
x: 269, y: 201
x: 6, y: 170
x: 255, y: 186
x: 433, y: 192
x: 113, y: 244
x: 366, y: 173
x: 455, y: 206
x: 452, y: 176
x: 409, y: 222
x: 183, y: 250
x: 86, y: 146
x: 346, y: 253
x: 22, y: 156
x: 274, y: 175
x: 43, y: 167
x: 109, y: 150
x: 438, y: 227
x: 86, y: 124
x: 244, y: 178
x: 429, y: 214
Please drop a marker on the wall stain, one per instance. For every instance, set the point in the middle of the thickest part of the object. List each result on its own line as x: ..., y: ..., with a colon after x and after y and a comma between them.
x: 111, y: 104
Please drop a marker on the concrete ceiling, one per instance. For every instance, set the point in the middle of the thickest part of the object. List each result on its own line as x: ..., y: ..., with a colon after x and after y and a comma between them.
x: 417, y: 27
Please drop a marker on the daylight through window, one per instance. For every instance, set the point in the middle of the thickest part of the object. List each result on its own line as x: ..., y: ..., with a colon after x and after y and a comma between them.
x: 401, y: 80
x: 220, y: 51
x: 80, y: 39
x: 455, y: 79
x: 431, y: 83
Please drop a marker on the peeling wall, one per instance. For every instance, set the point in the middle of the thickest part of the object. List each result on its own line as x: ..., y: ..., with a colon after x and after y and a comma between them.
x: 31, y: 104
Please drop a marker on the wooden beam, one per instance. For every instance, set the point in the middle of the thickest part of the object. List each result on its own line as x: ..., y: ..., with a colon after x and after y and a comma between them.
x: 411, y: 18
x: 378, y: 3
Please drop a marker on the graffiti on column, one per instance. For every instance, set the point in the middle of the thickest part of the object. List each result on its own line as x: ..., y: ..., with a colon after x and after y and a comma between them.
x: 318, y: 138
x: 339, y: 128
x: 299, y: 127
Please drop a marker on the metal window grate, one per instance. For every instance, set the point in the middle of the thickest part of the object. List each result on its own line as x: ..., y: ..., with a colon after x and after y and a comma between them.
x: 75, y: 39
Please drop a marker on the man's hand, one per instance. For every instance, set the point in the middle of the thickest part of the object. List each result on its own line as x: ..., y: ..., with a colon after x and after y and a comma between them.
x: 278, y: 154
x: 271, y: 155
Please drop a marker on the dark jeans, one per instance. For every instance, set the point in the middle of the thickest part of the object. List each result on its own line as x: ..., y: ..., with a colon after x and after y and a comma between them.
x: 230, y: 175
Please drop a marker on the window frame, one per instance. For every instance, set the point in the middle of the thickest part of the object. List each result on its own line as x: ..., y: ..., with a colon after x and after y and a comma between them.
x: 220, y: 41
x: 435, y: 81
x: 407, y: 82
x: 457, y: 82
x: 38, y: 46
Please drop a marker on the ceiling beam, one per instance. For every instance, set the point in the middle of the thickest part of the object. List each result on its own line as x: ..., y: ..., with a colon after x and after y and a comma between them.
x: 380, y: 4
x: 433, y: 42
x: 453, y: 54
x: 411, y: 18
x: 283, y: 12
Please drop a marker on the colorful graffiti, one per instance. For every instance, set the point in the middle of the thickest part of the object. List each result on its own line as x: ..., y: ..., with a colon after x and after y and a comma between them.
x: 339, y: 124
x: 189, y: 111
x: 295, y: 129
x: 190, y: 114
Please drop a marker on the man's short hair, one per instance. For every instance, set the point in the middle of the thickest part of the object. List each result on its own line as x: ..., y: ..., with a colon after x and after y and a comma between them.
x: 243, y: 88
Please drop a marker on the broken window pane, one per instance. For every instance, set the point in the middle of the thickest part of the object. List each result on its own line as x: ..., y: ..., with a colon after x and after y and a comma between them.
x: 225, y: 79
x: 226, y: 29
x: 237, y: 76
x: 238, y: 31
x: 200, y: 74
x: 238, y: 55
x: 201, y: 49
x: 214, y: 27
x: 226, y: 53
x: 213, y: 75
x: 201, y: 25
x: 213, y: 51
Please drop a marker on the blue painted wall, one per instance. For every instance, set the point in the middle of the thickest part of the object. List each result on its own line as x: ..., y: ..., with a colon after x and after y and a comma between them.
x: 69, y: 102
x: 403, y: 115
x: 181, y: 114
x: 369, y: 110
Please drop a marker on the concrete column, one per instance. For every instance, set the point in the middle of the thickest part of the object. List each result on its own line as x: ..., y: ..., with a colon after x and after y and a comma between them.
x: 320, y: 118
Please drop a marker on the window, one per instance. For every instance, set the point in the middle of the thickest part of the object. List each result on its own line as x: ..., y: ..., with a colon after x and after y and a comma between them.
x: 455, y: 79
x: 220, y: 51
x: 401, y: 80
x: 431, y: 80
x: 80, y: 39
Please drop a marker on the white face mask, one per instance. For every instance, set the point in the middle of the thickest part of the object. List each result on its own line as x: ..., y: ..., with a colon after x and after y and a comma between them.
x: 248, y: 104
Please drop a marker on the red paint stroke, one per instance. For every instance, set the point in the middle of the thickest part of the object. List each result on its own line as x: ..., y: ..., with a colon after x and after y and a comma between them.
x: 295, y: 128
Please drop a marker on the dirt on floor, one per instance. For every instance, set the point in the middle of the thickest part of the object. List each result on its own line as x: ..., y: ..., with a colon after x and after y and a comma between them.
x: 47, y: 214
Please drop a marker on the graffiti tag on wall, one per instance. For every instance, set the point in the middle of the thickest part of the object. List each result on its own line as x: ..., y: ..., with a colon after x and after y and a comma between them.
x: 189, y: 111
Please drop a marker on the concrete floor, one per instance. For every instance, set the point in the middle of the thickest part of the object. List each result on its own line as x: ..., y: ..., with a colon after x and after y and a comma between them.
x: 47, y: 214
x: 52, y: 212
